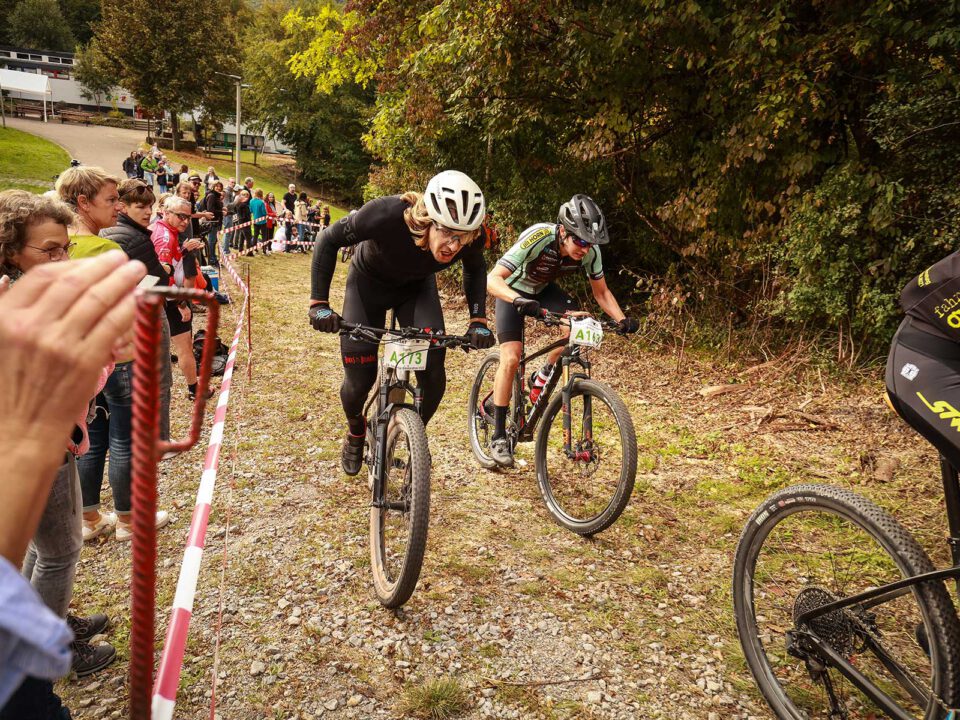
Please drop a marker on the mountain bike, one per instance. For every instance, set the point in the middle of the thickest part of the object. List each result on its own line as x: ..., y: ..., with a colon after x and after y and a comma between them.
x: 840, y: 612
x: 346, y: 253
x: 398, y: 458
x: 586, y: 448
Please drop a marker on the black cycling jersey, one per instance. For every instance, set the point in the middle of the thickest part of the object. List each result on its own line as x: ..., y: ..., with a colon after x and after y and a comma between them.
x: 932, y: 299
x: 387, y: 253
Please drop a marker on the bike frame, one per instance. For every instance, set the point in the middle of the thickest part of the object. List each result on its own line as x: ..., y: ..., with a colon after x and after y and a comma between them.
x: 877, y: 596
x: 526, y: 423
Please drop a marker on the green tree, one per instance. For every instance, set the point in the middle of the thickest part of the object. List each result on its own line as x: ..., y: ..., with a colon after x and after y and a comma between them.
x: 94, y: 71
x: 39, y: 24
x: 178, y: 78
x: 787, y: 157
x: 81, y: 15
x: 324, y: 125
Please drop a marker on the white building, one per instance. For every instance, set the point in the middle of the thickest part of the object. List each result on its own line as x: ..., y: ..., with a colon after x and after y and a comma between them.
x: 58, y: 66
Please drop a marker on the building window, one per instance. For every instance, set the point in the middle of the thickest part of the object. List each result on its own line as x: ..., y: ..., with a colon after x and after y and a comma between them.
x: 51, y: 59
x: 36, y: 57
x: 4, y: 53
x: 23, y: 56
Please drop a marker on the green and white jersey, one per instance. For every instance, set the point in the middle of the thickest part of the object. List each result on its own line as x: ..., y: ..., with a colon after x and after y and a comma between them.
x: 535, y: 260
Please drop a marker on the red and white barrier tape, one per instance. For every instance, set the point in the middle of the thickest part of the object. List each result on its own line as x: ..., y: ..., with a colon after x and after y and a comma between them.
x: 250, y: 250
x: 171, y: 660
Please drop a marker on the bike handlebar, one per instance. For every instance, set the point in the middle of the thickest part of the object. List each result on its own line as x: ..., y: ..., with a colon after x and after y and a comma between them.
x: 438, y: 339
x: 548, y: 317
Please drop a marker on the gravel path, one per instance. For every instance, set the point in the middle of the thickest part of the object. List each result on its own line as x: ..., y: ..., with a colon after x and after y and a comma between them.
x: 529, y: 620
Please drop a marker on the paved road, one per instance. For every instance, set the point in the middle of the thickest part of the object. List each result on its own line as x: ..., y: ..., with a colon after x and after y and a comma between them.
x: 90, y: 144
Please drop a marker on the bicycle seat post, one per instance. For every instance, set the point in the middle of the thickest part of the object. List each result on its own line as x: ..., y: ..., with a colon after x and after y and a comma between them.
x: 951, y: 492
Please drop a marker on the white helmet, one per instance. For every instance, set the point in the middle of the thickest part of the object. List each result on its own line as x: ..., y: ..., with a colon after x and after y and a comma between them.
x: 455, y: 201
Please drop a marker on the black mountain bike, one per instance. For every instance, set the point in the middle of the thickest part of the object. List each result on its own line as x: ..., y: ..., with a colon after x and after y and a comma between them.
x: 398, y: 458
x: 840, y: 612
x: 346, y: 253
x: 587, y: 462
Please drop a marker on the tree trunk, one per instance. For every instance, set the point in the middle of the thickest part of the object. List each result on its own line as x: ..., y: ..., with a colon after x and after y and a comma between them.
x: 174, y: 128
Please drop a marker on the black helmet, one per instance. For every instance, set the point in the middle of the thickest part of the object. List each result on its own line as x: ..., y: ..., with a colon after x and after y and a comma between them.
x: 581, y: 217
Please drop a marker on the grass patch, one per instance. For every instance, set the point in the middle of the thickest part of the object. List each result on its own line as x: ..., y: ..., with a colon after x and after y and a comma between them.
x: 28, y: 162
x: 435, y: 699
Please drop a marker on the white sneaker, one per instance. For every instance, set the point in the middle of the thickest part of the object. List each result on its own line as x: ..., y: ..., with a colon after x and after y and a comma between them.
x: 125, y: 532
x: 97, y: 528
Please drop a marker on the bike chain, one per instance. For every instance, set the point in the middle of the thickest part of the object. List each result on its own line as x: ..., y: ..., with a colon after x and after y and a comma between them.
x: 950, y: 712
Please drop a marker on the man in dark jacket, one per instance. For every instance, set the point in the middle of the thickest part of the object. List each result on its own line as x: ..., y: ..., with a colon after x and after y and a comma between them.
x: 133, y: 237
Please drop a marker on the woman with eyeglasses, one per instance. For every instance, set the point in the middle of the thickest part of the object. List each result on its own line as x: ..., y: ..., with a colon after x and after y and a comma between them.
x: 175, y: 218
x: 34, y: 231
x: 401, y: 241
x: 523, y: 282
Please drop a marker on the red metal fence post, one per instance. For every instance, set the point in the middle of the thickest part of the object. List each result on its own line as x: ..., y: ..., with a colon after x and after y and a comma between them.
x: 146, y: 435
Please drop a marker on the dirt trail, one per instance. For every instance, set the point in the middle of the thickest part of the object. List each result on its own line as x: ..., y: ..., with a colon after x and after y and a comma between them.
x: 505, y: 594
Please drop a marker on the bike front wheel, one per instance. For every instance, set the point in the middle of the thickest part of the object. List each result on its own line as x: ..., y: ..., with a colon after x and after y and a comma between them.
x: 586, y: 479
x: 810, y: 545
x: 398, y: 527
x: 480, y: 410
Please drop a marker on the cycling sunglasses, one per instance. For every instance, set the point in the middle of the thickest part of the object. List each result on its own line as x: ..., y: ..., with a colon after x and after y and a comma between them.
x: 578, y: 242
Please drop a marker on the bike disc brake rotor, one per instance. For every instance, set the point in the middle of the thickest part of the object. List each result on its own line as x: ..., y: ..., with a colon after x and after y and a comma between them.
x: 838, y: 628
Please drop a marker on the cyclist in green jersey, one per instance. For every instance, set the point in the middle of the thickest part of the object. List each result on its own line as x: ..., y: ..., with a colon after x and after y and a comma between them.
x: 523, y: 282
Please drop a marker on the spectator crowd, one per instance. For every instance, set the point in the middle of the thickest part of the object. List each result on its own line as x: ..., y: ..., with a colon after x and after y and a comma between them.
x: 69, y: 262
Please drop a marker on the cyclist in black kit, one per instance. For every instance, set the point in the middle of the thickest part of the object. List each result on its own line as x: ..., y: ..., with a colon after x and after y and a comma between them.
x: 923, y: 367
x: 401, y: 242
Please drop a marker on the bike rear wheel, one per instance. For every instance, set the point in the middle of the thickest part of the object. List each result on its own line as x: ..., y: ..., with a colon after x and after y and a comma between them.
x: 588, y: 492
x: 810, y: 545
x: 398, y: 530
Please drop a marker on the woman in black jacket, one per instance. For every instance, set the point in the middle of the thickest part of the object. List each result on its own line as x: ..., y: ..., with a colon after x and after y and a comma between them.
x: 213, y: 203
x: 131, y: 164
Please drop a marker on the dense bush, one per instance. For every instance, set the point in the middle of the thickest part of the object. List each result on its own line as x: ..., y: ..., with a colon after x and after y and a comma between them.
x: 793, y: 160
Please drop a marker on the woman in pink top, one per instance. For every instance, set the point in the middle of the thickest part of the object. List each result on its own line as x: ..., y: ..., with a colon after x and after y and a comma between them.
x: 174, y: 218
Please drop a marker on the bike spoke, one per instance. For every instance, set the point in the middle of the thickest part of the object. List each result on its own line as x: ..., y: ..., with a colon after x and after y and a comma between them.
x: 808, y: 560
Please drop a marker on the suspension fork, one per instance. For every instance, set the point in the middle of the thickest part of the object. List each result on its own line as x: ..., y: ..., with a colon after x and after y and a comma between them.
x: 381, y: 422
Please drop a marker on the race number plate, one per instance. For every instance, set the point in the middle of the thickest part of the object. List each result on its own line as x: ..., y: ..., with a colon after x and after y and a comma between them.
x: 586, y: 331
x: 406, y: 354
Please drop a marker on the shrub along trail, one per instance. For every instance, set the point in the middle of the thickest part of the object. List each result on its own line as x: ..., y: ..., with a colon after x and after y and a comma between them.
x: 639, y: 618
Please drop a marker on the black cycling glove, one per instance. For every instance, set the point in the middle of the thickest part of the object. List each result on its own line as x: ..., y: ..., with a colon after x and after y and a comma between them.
x: 324, y: 319
x: 526, y: 306
x: 628, y: 325
x: 480, y: 336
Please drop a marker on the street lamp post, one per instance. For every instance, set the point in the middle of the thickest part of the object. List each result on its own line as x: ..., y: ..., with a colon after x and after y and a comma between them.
x: 239, y: 81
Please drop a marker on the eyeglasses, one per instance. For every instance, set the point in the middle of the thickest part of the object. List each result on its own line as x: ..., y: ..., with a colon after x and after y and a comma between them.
x: 452, y: 238
x: 183, y: 216
x: 58, y: 252
x: 578, y: 242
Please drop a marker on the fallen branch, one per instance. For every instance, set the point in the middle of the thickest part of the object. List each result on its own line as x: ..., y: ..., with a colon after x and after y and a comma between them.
x: 490, y: 682
x: 827, y: 424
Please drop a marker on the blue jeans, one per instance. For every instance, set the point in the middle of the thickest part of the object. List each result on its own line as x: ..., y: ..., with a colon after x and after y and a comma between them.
x: 212, y: 247
x: 51, y: 560
x: 111, y: 429
x: 34, y: 700
x: 225, y: 242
